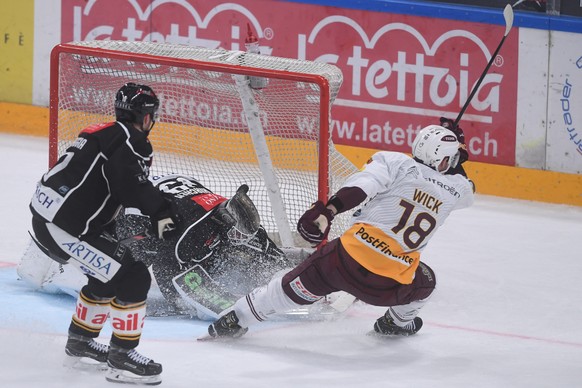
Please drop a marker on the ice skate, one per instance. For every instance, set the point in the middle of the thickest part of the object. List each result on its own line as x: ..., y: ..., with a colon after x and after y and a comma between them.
x: 128, y: 366
x: 85, y: 353
x: 385, y: 326
x: 225, y: 327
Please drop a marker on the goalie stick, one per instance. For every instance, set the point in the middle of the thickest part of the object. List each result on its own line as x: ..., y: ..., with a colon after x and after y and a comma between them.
x: 508, y: 16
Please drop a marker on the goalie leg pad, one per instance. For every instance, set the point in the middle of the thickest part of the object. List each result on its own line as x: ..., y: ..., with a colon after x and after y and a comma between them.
x: 35, y: 267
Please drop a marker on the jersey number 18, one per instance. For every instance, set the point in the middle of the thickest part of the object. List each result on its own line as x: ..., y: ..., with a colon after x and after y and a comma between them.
x: 417, y: 229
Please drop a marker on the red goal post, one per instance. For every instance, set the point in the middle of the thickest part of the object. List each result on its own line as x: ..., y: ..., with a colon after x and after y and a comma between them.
x: 213, y: 125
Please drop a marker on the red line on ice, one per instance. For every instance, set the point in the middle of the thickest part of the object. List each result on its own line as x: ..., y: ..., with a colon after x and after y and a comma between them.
x: 526, y: 337
x: 491, y: 332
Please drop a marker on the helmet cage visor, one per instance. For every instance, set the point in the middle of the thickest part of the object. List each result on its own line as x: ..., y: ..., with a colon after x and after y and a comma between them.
x: 246, y: 216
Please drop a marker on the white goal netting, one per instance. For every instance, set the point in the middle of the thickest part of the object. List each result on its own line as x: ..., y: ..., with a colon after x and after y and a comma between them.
x: 213, y: 125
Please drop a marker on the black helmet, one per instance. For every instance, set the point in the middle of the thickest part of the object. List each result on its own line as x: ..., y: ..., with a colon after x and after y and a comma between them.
x: 133, y: 102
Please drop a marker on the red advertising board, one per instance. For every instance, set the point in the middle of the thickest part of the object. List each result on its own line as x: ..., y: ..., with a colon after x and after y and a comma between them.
x: 401, y: 72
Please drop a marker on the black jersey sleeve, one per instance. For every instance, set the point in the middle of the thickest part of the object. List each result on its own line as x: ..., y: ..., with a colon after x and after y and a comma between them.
x: 127, y: 170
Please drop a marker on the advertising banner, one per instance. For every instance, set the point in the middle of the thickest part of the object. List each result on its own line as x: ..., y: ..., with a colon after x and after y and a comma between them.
x: 16, y: 47
x: 564, y: 137
x: 401, y: 72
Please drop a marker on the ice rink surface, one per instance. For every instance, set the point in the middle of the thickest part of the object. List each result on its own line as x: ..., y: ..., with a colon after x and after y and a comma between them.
x: 507, y: 311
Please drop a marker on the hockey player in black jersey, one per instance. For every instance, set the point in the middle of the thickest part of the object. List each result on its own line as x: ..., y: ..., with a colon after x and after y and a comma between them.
x: 73, y: 219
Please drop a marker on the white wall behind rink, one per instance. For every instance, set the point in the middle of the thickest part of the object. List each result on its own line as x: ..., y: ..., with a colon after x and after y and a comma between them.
x: 549, y: 110
x: 564, y: 130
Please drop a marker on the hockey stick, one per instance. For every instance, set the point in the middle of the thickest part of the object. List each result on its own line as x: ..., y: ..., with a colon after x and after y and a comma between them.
x: 136, y: 237
x: 518, y: 3
x: 508, y: 16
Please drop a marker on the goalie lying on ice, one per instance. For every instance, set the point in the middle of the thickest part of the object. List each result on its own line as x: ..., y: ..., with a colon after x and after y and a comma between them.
x: 219, y: 253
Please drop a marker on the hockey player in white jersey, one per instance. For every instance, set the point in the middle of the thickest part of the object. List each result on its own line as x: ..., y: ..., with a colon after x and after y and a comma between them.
x: 404, y: 200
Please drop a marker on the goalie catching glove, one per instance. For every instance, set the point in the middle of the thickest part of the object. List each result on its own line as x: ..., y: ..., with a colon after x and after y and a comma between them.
x: 314, y: 225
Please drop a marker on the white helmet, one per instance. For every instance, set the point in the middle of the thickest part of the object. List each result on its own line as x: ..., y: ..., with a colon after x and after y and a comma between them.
x: 433, y: 144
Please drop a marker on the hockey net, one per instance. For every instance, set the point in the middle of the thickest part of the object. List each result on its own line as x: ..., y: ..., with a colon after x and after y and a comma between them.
x: 212, y: 124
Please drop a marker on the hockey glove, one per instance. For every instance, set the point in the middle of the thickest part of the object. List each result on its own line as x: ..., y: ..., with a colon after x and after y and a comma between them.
x: 165, y: 223
x: 450, y: 125
x: 458, y: 131
x: 314, y: 225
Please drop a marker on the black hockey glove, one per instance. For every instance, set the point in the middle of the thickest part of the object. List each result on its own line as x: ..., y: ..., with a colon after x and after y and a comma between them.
x: 450, y: 124
x: 315, y: 223
x: 165, y: 224
x: 458, y: 131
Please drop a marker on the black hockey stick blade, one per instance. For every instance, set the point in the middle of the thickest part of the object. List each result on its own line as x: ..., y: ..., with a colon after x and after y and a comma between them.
x: 508, y: 16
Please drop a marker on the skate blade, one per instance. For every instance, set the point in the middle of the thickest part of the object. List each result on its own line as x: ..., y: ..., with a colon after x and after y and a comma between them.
x: 374, y: 333
x: 84, y: 364
x: 209, y: 338
x: 114, y: 375
x: 385, y: 337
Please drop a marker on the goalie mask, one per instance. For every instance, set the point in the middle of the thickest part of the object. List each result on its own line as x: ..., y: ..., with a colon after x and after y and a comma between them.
x: 240, y: 216
x: 433, y: 145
